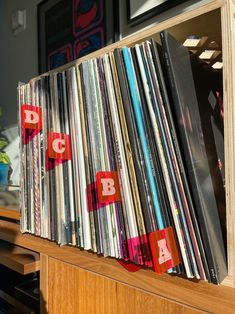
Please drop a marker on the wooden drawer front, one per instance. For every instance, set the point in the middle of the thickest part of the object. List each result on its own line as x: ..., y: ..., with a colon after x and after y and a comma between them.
x: 74, y: 290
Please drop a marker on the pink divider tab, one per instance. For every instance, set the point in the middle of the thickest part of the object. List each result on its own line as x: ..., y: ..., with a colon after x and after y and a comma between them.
x: 59, y: 146
x: 139, y: 250
x: 52, y: 163
x: 107, y: 185
x: 146, y: 251
x: 164, y: 250
x: 135, y: 253
x: 28, y: 135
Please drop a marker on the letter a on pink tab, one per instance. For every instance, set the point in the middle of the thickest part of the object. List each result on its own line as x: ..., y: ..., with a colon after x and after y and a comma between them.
x: 164, y: 250
x: 31, y: 117
x: 59, y: 146
x: 108, y: 187
x: 164, y: 253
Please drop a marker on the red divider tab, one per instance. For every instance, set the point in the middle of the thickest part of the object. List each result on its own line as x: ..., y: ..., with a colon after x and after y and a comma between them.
x: 31, y: 117
x: 139, y: 251
x: 145, y: 248
x: 52, y: 163
x: 164, y: 250
x: 31, y: 122
x: 108, y: 187
x: 129, y: 266
x: 59, y: 146
x: 135, y: 253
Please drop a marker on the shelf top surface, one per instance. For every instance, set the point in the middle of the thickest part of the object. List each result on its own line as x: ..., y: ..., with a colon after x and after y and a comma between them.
x: 200, y: 294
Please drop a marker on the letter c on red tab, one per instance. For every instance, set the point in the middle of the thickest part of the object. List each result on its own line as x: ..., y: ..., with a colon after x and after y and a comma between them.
x: 107, y: 184
x: 59, y: 146
x: 31, y: 117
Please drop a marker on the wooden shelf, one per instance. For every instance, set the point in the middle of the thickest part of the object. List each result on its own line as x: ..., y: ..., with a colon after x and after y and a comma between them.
x: 19, y: 259
x: 10, y: 213
x: 196, y: 294
x: 221, y: 12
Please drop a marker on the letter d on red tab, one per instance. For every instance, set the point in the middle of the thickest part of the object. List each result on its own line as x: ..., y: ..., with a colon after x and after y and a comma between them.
x: 59, y: 146
x: 108, y: 187
x: 31, y: 117
x: 164, y: 250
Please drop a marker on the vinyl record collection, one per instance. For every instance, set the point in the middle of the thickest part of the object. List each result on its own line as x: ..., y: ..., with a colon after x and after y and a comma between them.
x: 112, y: 161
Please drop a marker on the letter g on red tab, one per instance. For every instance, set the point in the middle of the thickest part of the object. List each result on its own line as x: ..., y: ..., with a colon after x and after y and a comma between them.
x: 31, y: 117
x: 59, y: 146
x: 107, y: 184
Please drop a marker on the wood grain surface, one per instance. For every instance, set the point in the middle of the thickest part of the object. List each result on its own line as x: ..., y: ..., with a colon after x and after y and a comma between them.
x: 75, y: 291
x: 196, y: 294
x: 10, y: 212
x: 228, y: 34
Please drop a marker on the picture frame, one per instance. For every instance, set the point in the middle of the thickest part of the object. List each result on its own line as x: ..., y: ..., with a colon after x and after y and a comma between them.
x: 70, y: 29
x: 138, y: 11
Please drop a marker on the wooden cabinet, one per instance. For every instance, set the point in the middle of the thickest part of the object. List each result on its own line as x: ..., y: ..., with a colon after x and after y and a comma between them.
x: 88, y: 292
x: 76, y: 281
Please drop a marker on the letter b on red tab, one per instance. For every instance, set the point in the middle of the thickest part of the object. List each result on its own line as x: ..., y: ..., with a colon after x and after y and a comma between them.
x: 108, y: 187
x: 59, y: 146
x: 31, y: 117
x: 164, y: 250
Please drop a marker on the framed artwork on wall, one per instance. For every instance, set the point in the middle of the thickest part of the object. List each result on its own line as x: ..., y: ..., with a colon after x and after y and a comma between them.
x: 139, y: 10
x: 70, y: 29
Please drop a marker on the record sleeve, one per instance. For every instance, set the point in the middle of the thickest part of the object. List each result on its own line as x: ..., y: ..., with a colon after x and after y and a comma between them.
x: 131, y: 168
x: 140, y: 126
x: 175, y: 153
x: 137, y: 154
x: 186, y: 112
x: 160, y: 162
x: 84, y: 130
x: 126, y: 192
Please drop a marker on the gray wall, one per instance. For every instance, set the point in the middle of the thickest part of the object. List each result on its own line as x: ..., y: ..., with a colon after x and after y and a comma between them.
x: 18, y: 55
